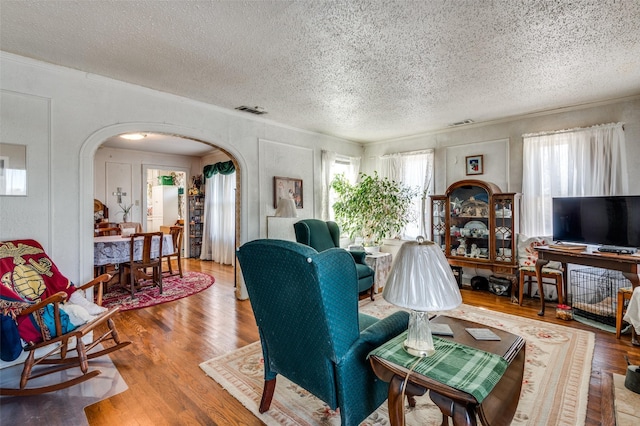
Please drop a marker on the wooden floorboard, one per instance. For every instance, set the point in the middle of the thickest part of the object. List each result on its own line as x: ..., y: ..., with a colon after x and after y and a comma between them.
x: 167, y: 386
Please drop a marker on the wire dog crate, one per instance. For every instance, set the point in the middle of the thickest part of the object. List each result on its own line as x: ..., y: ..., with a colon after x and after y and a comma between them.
x: 594, y: 293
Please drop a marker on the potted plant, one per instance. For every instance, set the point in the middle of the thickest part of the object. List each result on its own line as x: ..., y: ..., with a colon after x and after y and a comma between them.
x: 374, y: 208
x: 125, y: 211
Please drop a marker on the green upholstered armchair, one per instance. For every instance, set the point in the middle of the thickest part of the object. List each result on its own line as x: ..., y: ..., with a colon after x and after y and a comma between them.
x: 306, y: 308
x: 323, y: 235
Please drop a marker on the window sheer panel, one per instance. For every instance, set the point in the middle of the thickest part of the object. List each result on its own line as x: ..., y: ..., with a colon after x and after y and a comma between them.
x: 415, y: 170
x: 218, y: 243
x: 327, y: 162
x: 331, y: 165
x: 578, y: 162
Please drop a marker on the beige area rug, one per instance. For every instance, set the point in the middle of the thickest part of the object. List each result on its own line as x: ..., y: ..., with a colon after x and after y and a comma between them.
x: 554, y: 390
x: 33, y: 410
x: 627, y: 403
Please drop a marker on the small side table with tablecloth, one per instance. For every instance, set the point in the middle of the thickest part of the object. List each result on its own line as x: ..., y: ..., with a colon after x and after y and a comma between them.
x: 489, y: 387
x: 381, y: 264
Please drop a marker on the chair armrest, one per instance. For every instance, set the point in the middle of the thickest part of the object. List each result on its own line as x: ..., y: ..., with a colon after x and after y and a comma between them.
x: 96, y: 281
x: 359, y: 256
x: 386, y: 329
x: 55, y: 300
x: 59, y: 297
x: 376, y: 334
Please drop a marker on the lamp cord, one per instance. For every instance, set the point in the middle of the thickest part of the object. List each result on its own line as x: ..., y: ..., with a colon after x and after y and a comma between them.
x: 404, y: 385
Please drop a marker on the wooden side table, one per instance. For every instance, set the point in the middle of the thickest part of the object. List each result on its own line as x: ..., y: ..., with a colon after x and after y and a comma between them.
x: 498, y: 408
x: 625, y: 263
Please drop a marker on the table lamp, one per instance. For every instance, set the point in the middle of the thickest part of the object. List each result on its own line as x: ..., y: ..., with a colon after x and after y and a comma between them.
x: 286, y: 208
x: 421, y: 280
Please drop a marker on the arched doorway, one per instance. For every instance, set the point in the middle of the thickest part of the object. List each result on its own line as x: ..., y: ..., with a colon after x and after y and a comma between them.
x: 87, y: 155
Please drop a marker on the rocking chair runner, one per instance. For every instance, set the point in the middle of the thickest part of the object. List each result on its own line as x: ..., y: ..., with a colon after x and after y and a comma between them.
x: 57, y: 357
x: 28, y: 274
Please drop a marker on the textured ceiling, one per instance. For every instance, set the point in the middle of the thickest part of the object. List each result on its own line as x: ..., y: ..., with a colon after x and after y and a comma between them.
x: 360, y: 70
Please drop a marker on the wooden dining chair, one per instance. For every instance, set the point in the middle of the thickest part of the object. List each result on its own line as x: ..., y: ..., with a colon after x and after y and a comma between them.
x: 176, y: 235
x: 103, y: 232
x: 148, y: 259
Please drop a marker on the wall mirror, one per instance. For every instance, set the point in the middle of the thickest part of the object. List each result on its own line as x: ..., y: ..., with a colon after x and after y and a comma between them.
x: 13, y: 169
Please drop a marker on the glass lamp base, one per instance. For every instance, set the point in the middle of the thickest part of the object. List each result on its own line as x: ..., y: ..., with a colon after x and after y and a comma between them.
x: 419, y: 339
x: 418, y: 352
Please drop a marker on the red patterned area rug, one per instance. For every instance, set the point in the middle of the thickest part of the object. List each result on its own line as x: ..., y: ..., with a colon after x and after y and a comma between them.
x: 554, y: 390
x: 173, y: 288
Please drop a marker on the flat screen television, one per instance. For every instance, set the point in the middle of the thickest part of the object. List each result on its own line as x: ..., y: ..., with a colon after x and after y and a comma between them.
x: 613, y: 221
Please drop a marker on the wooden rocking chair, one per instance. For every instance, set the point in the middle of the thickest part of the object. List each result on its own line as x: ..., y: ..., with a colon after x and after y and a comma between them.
x: 61, y: 346
x: 57, y: 350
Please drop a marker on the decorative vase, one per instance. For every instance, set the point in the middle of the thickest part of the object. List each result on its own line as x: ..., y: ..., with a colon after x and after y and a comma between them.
x: 125, y: 217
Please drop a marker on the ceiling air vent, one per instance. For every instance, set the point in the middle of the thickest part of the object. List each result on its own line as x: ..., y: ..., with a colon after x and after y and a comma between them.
x: 253, y: 110
x: 461, y: 123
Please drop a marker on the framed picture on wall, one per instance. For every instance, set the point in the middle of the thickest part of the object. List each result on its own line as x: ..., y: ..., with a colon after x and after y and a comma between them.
x: 475, y: 164
x: 284, y: 187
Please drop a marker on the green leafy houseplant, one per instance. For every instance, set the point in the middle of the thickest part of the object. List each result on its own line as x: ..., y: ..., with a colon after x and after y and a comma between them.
x: 374, y: 208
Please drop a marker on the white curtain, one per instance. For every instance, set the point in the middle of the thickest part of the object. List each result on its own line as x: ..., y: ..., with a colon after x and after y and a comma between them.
x: 416, y: 170
x: 576, y: 162
x: 332, y: 164
x: 218, y: 242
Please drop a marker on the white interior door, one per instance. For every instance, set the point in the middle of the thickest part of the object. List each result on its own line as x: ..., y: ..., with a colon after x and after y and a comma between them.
x: 119, y: 175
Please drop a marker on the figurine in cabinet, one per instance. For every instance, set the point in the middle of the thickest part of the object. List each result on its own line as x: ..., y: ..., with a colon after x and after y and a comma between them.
x: 475, y: 251
x: 462, y: 248
x: 456, y: 204
x: 475, y: 208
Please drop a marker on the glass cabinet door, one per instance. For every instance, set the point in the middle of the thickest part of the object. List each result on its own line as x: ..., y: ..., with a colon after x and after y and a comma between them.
x: 476, y: 225
x: 469, y: 226
x: 504, y: 215
x: 438, y: 220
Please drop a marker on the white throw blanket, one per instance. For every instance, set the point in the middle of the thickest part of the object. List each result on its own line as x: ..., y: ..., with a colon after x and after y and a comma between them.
x: 632, y: 316
x: 81, y: 310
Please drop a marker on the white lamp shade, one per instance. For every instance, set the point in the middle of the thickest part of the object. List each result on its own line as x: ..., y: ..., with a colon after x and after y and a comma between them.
x: 421, y: 279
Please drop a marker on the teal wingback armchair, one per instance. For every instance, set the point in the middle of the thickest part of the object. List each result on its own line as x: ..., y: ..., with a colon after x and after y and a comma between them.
x: 306, y: 308
x: 323, y: 235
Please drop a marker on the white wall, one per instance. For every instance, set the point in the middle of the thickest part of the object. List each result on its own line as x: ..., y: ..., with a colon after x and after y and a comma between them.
x: 35, y: 133
x: 63, y: 116
x: 483, y: 139
x: 300, y: 165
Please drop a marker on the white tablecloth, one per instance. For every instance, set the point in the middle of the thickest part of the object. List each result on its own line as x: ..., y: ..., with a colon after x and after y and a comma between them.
x: 381, y: 264
x: 114, y: 249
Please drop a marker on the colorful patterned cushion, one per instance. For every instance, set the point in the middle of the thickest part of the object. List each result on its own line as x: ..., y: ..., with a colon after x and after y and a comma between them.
x: 28, y: 275
x: 27, y: 270
x: 527, y: 255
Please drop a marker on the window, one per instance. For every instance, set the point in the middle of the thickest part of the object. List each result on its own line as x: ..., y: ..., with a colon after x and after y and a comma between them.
x: 576, y: 162
x: 414, y: 169
x: 333, y: 164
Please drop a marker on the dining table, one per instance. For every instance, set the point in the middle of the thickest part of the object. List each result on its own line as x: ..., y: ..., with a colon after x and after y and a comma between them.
x: 115, y: 249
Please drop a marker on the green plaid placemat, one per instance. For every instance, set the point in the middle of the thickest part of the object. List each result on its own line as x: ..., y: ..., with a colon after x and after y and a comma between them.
x: 462, y: 367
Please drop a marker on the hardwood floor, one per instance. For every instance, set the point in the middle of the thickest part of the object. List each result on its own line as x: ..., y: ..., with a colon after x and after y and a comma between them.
x: 167, y: 386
